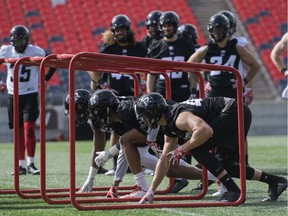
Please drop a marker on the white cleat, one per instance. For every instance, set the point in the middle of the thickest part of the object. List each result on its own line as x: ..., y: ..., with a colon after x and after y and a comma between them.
x: 137, y: 193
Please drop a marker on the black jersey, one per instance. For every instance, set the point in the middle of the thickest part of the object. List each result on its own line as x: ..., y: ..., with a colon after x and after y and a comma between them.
x: 220, y: 113
x: 147, y: 41
x: 179, y: 50
x: 123, y: 83
x: 207, y: 109
x: 227, y: 56
x: 127, y: 116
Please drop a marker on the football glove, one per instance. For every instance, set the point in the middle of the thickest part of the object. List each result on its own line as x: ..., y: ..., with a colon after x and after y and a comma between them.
x: 149, y: 196
x: 248, y: 96
x: 87, y: 187
x: 105, y: 85
x: 176, y: 155
x: 102, y: 158
x: 155, y: 148
x: 2, y: 86
x: 113, y: 192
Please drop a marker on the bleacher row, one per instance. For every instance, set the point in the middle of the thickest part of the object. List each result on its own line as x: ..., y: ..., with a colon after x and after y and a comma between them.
x: 71, y: 26
x: 266, y: 22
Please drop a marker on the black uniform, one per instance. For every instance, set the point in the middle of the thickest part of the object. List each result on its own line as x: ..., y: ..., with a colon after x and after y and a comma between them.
x: 123, y: 83
x: 148, y: 40
x: 221, y: 82
x: 179, y: 50
x: 221, y: 114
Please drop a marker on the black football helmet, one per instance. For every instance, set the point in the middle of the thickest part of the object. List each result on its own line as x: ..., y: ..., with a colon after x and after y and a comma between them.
x: 188, y: 31
x: 121, y: 21
x: 169, y: 17
x: 19, y: 38
x: 232, y: 21
x: 152, y: 22
x: 99, y: 106
x: 81, y: 105
x: 149, y: 109
x: 218, y: 27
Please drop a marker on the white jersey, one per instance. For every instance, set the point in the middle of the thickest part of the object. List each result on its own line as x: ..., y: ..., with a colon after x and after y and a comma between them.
x: 241, y: 41
x: 28, y: 75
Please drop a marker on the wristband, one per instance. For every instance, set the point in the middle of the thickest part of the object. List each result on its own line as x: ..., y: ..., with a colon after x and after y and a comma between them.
x: 283, y: 70
x: 245, y: 81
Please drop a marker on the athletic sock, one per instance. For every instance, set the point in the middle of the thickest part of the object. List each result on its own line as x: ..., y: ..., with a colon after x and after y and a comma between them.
x: 229, y: 183
x: 268, y: 178
x: 140, y: 181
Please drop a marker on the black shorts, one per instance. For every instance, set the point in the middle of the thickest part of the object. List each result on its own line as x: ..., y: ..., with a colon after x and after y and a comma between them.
x: 28, y: 108
x: 225, y: 128
x: 224, y: 91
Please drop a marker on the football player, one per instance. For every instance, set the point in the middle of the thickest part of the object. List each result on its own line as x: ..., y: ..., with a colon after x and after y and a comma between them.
x: 189, y: 32
x: 117, y: 113
x: 28, y: 94
x: 118, y: 40
x: 153, y: 33
x: 211, y: 122
x: 279, y: 48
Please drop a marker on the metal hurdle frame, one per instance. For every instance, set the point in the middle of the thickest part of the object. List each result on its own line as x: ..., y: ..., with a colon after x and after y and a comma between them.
x: 60, y: 61
x: 123, y: 65
x: 42, y: 193
x: 126, y: 64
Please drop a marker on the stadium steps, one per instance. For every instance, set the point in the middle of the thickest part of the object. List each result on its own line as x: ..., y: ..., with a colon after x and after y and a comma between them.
x: 262, y: 86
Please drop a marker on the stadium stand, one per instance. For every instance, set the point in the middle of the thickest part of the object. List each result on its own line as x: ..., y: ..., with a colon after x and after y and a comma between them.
x: 265, y: 22
x: 71, y: 26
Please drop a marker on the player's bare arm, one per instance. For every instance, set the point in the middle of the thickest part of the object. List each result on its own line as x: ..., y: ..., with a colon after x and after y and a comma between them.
x: 162, y: 167
x: 199, y: 55
x: 199, y: 129
x: 249, y: 60
x: 150, y: 82
x: 277, y: 51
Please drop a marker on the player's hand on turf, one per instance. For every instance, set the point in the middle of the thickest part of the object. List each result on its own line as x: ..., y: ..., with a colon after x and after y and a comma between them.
x: 102, y: 157
x: 155, y: 148
x: 176, y: 155
x: 148, y: 197
x: 113, y: 192
x: 2, y: 86
x: 87, y: 187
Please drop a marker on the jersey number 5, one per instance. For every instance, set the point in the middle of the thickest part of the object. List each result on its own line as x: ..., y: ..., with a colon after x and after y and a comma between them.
x: 24, y: 74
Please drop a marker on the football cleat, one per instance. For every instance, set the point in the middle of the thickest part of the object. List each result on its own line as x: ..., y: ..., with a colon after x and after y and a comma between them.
x: 113, y: 192
x: 22, y: 171
x: 110, y: 172
x: 276, y: 189
x: 137, y: 193
x: 221, y: 189
x: 200, y: 185
x: 31, y: 169
x: 229, y: 196
x: 179, y: 185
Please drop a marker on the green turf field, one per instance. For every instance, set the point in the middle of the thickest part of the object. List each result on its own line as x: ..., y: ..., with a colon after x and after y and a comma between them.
x: 268, y: 153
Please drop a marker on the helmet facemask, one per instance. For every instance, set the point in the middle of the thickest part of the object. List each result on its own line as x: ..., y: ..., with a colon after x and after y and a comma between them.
x: 149, y: 109
x: 81, y: 106
x: 19, y: 38
x: 218, y: 27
